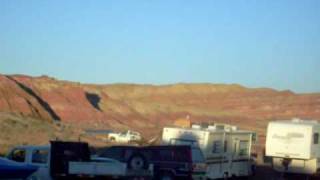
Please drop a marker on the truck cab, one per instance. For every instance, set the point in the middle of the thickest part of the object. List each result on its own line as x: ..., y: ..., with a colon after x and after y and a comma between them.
x: 124, y: 137
x: 33, y: 155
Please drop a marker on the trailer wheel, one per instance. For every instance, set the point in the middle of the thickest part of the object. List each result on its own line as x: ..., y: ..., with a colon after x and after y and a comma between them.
x: 112, y: 139
x: 137, y: 162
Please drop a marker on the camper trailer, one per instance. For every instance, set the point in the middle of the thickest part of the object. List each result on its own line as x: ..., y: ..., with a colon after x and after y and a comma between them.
x: 294, y: 146
x: 226, y: 148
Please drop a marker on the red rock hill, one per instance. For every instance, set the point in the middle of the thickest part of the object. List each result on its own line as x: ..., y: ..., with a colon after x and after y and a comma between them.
x: 148, y: 107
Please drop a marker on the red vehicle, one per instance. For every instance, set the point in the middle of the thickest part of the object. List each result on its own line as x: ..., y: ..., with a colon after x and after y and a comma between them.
x: 169, y: 162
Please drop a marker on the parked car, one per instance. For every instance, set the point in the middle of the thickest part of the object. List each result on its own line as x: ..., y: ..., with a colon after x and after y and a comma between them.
x: 33, y: 155
x: 170, y: 162
x: 124, y: 137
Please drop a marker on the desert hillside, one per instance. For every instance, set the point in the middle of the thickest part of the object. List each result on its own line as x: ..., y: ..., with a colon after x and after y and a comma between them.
x: 42, y: 105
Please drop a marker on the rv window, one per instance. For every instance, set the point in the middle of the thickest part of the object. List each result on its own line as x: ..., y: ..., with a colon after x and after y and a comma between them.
x: 316, y: 138
x: 243, y: 148
x: 217, y: 147
x: 225, y: 146
x: 40, y: 156
x: 184, y: 142
x: 254, y: 137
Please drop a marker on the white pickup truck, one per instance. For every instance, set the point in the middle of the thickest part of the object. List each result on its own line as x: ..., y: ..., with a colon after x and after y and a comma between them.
x: 72, y: 160
x: 124, y: 137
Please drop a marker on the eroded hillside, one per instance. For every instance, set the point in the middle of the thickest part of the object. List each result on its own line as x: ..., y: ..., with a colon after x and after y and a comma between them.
x: 147, y: 108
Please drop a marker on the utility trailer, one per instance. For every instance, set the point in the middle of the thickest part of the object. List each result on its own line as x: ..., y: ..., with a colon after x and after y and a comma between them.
x: 294, y: 146
x: 227, y: 149
x: 72, y: 160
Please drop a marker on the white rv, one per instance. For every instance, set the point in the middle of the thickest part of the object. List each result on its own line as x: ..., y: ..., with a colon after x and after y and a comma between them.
x: 294, y: 146
x: 226, y: 148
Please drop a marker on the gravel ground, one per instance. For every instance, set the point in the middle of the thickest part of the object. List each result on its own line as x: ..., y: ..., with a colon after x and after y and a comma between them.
x: 265, y: 172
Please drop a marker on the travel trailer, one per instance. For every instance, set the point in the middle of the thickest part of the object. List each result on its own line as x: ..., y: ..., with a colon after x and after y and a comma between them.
x: 227, y: 149
x: 294, y: 146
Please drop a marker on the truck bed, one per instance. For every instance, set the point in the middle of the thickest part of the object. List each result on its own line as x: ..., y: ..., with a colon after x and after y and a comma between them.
x: 97, y: 168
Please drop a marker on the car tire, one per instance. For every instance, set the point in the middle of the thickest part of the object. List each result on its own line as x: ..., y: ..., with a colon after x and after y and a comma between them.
x: 137, y: 162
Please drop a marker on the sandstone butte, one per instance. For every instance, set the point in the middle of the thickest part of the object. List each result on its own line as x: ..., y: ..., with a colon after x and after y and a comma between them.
x: 147, y: 108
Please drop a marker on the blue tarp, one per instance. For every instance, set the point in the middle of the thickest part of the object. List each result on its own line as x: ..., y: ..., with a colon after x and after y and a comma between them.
x: 11, y: 169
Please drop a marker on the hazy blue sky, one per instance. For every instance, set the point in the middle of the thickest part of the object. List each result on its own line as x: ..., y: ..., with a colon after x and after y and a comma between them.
x: 256, y: 43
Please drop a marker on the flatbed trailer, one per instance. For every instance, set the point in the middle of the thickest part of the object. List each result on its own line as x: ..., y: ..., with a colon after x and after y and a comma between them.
x: 72, y: 160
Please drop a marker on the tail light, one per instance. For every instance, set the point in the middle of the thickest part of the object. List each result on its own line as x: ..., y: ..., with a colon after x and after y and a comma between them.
x: 199, y: 167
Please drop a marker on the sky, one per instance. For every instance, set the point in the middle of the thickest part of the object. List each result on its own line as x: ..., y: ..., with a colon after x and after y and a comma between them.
x: 255, y: 43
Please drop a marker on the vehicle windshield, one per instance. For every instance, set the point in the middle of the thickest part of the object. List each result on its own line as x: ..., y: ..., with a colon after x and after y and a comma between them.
x: 197, y: 156
x: 135, y: 133
x: 123, y: 133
